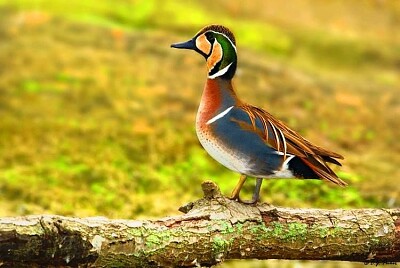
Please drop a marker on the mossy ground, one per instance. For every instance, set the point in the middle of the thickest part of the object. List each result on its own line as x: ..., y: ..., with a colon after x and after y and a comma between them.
x: 97, y: 112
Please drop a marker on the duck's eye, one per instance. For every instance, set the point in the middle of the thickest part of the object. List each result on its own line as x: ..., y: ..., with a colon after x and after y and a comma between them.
x: 210, y: 37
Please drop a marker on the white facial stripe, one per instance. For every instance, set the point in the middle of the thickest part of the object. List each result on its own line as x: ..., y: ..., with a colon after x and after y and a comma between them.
x: 226, y: 38
x: 220, y: 72
x: 218, y: 116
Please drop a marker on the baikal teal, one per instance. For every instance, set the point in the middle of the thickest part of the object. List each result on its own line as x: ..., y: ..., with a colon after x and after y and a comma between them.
x: 244, y: 138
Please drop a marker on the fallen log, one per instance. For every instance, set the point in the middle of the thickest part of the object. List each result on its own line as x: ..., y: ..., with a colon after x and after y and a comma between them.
x: 211, y: 230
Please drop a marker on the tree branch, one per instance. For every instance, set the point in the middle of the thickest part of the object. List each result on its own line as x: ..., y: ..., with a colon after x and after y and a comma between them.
x: 212, y: 229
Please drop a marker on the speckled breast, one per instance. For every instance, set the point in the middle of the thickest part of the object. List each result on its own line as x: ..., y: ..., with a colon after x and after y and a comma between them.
x: 220, y: 151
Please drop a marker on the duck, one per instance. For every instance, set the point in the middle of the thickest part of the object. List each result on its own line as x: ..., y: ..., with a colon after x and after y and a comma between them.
x: 245, y: 138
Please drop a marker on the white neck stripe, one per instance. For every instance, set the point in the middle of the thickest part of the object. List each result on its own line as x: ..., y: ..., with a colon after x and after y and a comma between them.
x: 220, y: 72
x: 218, y: 116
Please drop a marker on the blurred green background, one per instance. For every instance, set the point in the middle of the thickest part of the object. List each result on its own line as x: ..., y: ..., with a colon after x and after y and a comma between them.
x: 97, y: 112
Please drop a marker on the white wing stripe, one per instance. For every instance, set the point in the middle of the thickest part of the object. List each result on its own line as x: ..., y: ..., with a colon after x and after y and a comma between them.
x: 218, y: 116
x: 278, y: 143
x: 283, y: 141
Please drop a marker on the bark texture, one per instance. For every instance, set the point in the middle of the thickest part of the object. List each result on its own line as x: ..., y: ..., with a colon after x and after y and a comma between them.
x: 212, y: 229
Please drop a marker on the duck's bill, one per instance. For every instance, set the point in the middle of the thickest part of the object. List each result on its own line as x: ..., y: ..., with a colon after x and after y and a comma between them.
x: 185, y: 45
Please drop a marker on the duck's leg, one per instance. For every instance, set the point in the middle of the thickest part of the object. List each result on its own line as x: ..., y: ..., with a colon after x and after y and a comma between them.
x: 239, y: 185
x: 256, y: 193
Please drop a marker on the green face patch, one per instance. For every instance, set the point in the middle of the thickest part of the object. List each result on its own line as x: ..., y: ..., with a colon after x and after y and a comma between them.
x: 229, y: 51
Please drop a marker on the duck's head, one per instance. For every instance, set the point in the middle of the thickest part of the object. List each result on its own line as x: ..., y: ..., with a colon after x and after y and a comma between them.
x: 218, y: 46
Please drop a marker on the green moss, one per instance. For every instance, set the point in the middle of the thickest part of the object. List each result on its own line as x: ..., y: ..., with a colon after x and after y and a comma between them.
x: 157, y: 239
x: 323, y: 232
x: 296, y: 231
x: 290, y: 232
x: 333, y: 232
x: 277, y: 229
x: 239, y: 228
x: 261, y: 231
x: 135, y: 232
x: 225, y: 227
x: 153, y: 240
x: 220, y: 245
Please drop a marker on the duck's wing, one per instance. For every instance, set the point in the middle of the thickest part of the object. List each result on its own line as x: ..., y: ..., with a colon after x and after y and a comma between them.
x: 287, y: 142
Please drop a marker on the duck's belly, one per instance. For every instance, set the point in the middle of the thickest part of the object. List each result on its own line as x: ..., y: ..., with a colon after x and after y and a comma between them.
x: 222, y: 153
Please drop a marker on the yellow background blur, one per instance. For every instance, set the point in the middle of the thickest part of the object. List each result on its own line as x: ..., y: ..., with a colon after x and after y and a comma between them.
x: 97, y: 112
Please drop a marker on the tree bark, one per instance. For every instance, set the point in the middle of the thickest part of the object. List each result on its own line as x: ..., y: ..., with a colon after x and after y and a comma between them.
x: 213, y: 229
